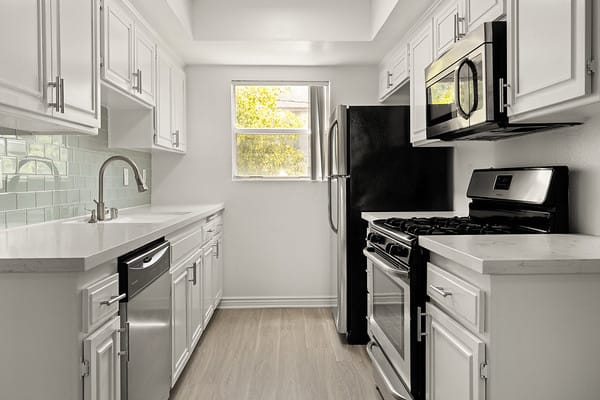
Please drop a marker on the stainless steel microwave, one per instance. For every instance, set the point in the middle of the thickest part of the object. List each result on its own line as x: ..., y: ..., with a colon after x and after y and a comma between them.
x: 466, y: 90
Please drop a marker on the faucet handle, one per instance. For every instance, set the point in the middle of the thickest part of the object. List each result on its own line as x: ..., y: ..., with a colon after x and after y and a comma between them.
x: 114, y: 213
x: 93, y: 218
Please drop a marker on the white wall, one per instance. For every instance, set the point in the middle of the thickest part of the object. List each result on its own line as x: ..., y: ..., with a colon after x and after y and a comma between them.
x: 578, y: 148
x: 277, y: 237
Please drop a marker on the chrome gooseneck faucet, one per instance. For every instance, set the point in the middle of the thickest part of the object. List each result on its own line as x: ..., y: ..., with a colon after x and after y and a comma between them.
x: 141, y: 186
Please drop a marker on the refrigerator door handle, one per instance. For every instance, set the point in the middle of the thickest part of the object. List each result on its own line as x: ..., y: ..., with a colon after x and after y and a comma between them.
x: 330, y: 149
x: 331, y: 223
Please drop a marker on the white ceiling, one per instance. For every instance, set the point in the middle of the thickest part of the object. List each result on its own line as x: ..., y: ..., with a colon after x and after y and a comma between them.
x: 282, y: 32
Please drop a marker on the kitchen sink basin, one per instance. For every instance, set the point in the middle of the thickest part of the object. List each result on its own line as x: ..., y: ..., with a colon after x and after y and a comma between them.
x: 150, y: 218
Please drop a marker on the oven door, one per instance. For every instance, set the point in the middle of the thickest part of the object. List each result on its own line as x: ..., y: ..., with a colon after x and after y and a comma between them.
x: 389, y: 313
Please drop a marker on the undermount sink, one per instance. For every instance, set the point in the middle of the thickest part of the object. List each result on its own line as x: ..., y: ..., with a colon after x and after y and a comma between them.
x: 150, y: 218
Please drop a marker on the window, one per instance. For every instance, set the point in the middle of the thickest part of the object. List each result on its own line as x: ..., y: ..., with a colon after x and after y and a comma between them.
x: 277, y: 129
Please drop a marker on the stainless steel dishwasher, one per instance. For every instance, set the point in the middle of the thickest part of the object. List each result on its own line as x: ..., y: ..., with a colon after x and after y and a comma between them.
x: 146, y: 322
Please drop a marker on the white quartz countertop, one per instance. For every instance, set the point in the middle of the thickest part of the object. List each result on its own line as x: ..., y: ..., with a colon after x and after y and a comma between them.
x: 372, y: 216
x: 74, y: 246
x: 519, y: 254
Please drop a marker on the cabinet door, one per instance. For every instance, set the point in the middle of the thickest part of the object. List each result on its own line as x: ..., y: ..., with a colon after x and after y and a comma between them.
x: 445, y: 27
x: 384, y: 80
x: 145, y: 66
x: 421, y: 55
x: 454, y: 360
x: 24, y: 75
x: 196, y: 311
x: 180, y: 310
x: 207, y: 284
x: 117, y: 47
x: 399, y: 64
x: 164, y: 129
x: 479, y: 11
x: 76, y: 43
x: 102, y: 381
x: 550, y: 71
x: 217, y: 272
x: 178, y: 110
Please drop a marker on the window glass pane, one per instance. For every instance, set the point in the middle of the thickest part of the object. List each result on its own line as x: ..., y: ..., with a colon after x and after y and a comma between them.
x: 272, y: 107
x: 273, y: 155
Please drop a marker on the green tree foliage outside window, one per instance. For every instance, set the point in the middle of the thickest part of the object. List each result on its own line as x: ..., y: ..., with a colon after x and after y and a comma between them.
x: 268, y: 154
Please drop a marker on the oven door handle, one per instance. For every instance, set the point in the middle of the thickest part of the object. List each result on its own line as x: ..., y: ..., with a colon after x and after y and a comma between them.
x: 379, y: 263
x: 381, y: 372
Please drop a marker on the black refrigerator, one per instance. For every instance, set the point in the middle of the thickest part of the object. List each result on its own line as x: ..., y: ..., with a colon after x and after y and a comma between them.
x: 371, y: 165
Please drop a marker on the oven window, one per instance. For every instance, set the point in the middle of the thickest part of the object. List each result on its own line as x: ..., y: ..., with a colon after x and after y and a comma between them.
x: 441, y: 104
x: 388, y: 308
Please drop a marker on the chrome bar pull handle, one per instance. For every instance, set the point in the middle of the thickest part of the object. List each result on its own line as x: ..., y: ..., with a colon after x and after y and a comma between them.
x: 440, y: 290
x: 138, y: 85
x: 56, y: 86
x: 420, y: 332
x: 62, y: 95
x: 455, y: 27
x: 389, y: 79
x: 503, y: 87
x: 194, y: 280
x: 140, y: 81
x: 113, y: 299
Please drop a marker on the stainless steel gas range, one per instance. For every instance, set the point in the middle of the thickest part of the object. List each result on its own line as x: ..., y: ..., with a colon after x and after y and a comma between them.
x: 503, y: 201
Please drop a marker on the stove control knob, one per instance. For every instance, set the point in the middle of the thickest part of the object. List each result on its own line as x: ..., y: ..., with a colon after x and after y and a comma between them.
x: 398, y: 251
x: 375, y: 238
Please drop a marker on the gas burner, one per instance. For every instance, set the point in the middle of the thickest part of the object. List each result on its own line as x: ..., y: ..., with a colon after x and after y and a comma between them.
x: 446, y: 226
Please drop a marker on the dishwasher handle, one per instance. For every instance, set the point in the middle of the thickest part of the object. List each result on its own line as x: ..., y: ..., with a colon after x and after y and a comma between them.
x: 151, y: 259
x: 147, y: 258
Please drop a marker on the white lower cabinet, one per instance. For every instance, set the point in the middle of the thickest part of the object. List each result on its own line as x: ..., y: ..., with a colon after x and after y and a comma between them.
x: 208, y: 304
x: 180, y: 314
x: 455, y: 359
x: 101, y: 368
x: 217, y: 266
x: 196, y: 320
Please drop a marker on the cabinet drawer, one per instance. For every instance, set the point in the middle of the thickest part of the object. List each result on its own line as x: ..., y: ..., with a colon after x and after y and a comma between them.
x: 95, y: 310
x: 213, y: 227
x: 461, y: 299
x: 185, y: 241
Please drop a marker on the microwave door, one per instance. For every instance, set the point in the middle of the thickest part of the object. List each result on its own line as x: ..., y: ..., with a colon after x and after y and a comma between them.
x: 442, y: 108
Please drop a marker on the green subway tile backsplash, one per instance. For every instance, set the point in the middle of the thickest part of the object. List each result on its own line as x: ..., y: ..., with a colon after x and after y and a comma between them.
x: 44, y: 178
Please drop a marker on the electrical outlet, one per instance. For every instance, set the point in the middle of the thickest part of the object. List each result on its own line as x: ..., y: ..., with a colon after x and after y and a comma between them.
x: 125, y: 176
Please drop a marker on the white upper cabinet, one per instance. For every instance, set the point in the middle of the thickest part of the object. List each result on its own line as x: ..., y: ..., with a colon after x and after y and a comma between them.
x: 393, y: 71
x: 75, y: 60
x: 170, y: 104
x: 49, y: 77
x: 128, y: 53
x: 446, y: 27
x: 178, y: 110
x: 145, y: 66
x: 22, y: 80
x: 421, y: 55
x: 117, y: 45
x: 549, y: 47
x: 476, y: 12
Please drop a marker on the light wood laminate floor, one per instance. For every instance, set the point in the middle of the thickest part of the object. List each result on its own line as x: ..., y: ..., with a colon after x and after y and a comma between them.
x: 275, y: 354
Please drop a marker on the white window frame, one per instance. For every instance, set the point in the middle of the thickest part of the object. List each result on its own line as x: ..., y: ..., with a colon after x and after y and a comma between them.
x: 266, y: 131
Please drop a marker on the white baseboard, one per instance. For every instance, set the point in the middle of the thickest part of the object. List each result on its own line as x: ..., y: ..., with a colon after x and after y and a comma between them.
x: 277, y: 302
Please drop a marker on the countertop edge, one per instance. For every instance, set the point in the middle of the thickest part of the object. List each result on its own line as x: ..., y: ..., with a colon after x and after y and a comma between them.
x: 83, y: 264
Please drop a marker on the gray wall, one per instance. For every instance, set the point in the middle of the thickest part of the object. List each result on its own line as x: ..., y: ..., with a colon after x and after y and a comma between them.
x: 577, y: 147
x: 277, y: 240
x: 34, y: 191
